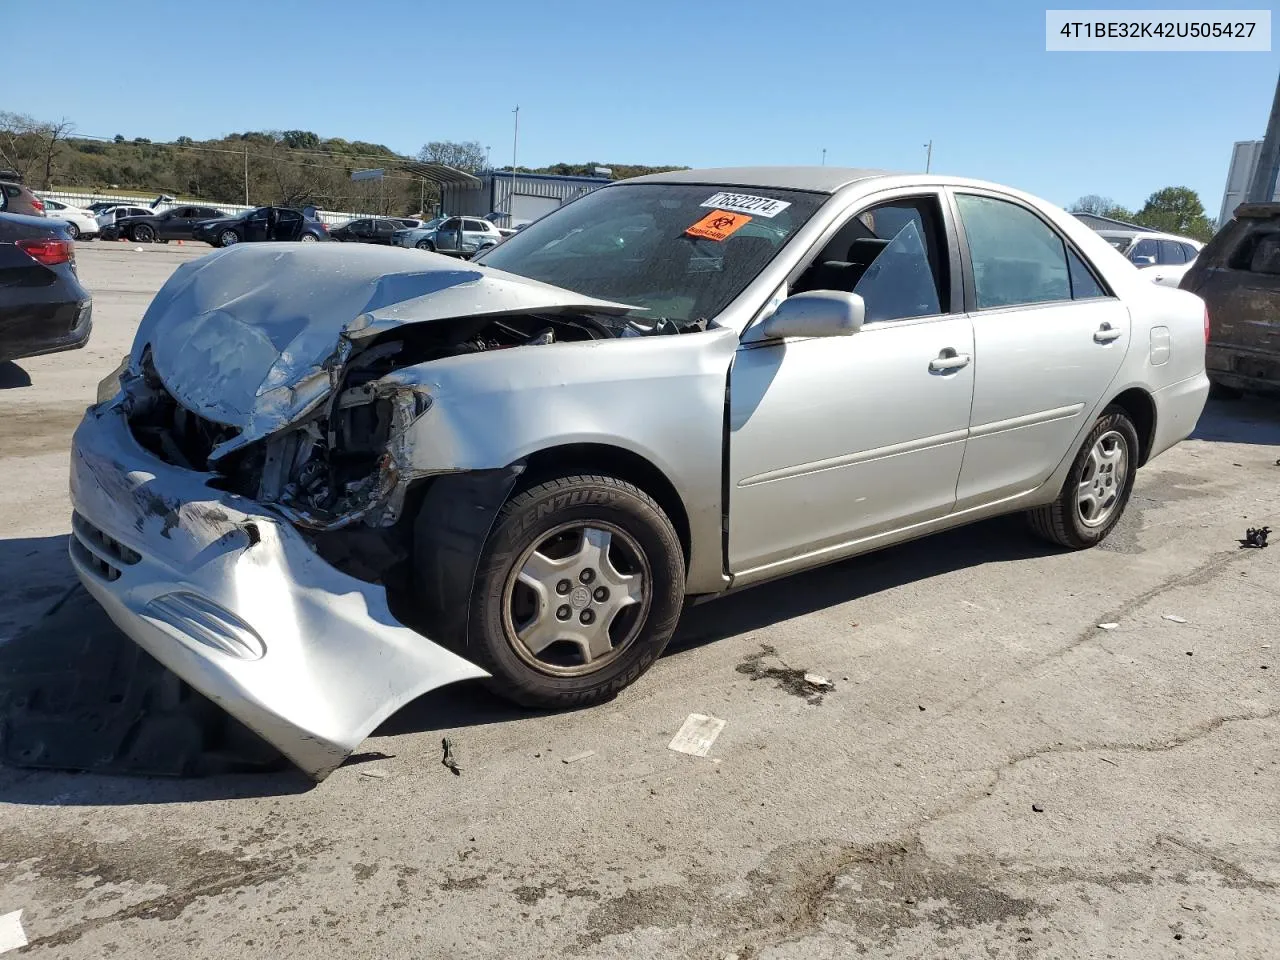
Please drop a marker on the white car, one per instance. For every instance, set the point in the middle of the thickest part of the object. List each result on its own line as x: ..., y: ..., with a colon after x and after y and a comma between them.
x: 112, y: 214
x: 1162, y: 257
x: 82, y: 223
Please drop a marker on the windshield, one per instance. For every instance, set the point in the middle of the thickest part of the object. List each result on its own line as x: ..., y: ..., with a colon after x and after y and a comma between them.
x: 674, y: 251
x: 1120, y: 243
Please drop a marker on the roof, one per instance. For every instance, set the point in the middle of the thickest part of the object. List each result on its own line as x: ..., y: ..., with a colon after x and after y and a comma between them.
x: 546, y: 176
x: 816, y: 179
x: 1110, y: 223
x: 439, y: 173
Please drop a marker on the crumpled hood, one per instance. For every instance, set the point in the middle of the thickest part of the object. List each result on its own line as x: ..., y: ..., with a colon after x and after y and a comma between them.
x: 254, y: 335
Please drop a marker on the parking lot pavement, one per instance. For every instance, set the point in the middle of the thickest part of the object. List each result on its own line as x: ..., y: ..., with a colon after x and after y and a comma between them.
x: 992, y: 775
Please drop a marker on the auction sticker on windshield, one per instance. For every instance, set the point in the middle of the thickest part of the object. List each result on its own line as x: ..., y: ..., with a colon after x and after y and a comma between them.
x: 746, y: 203
x: 718, y: 225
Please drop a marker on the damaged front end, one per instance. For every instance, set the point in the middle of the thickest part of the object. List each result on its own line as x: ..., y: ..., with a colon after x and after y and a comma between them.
x: 249, y: 492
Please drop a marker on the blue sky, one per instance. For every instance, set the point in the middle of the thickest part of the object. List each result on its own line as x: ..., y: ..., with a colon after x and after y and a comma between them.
x: 698, y: 83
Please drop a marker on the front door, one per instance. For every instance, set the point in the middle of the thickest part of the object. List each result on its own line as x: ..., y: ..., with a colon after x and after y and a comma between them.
x: 1048, y: 340
x: 255, y: 225
x: 835, y: 440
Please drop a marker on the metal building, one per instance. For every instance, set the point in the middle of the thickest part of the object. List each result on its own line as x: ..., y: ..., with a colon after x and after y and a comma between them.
x: 1244, y: 159
x: 513, y: 201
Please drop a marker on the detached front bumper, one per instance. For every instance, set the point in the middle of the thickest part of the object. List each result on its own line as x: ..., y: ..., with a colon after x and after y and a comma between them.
x: 232, y: 599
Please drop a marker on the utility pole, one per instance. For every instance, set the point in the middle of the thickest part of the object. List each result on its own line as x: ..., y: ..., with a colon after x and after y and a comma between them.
x: 487, y: 165
x: 928, y: 157
x: 824, y: 156
x: 511, y: 187
x: 1263, y: 185
x: 246, y: 176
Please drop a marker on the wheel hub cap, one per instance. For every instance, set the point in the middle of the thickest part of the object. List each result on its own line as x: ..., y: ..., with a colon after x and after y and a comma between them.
x: 577, y: 598
x: 1103, y: 479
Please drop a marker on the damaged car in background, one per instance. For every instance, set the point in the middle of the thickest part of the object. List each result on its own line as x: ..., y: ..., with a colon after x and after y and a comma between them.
x: 330, y: 478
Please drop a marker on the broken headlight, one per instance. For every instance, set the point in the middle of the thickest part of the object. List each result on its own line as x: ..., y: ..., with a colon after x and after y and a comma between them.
x: 109, y: 385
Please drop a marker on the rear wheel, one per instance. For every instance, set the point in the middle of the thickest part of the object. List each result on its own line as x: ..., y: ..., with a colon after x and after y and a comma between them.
x: 1097, y: 488
x: 307, y: 238
x: 227, y: 238
x: 142, y: 234
x: 578, y: 590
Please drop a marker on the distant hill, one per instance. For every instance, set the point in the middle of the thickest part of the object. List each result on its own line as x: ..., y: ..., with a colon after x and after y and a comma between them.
x: 290, y: 167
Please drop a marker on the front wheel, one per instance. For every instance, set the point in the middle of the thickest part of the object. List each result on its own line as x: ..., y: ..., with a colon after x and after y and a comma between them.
x: 578, y: 590
x: 425, y: 245
x: 73, y: 230
x: 1097, y: 488
x: 227, y: 238
x: 142, y: 234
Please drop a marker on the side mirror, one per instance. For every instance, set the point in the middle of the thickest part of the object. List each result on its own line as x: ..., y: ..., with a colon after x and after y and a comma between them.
x: 817, y: 313
x: 1144, y: 261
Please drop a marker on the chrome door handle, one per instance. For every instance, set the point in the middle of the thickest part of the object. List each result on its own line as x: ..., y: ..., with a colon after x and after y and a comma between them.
x: 1107, y: 333
x: 953, y: 362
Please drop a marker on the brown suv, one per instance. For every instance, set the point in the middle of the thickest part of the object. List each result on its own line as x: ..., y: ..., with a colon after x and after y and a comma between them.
x: 15, y: 198
x: 1238, y: 276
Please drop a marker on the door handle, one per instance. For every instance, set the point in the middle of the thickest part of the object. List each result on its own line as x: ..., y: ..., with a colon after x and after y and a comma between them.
x: 949, y: 360
x: 1106, y: 334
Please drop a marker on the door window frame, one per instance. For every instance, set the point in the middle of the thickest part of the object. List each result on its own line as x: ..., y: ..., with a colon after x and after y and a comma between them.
x: 954, y: 305
x: 970, y: 287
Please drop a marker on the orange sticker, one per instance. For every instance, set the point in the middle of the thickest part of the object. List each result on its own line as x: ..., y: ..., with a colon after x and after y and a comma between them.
x: 718, y: 225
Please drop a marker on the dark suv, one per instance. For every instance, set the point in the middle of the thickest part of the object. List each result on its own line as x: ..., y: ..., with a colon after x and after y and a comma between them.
x: 1238, y: 276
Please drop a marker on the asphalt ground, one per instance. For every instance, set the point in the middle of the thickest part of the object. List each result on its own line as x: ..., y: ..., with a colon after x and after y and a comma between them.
x: 991, y: 776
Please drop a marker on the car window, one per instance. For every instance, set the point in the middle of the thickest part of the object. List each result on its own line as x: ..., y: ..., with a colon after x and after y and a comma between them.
x: 1084, y: 285
x: 679, y: 252
x: 1016, y: 257
x: 1190, y: 251
x: 451, y: 224
x: 473, y: 226
x: 1171, y: 253
x: 288, y: 216
x: 1144, y: 248
x: 1119, y: 242
x: 1266, y: 255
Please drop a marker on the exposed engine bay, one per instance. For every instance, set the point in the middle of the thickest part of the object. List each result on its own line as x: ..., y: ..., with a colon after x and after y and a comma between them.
x: 340, y: 468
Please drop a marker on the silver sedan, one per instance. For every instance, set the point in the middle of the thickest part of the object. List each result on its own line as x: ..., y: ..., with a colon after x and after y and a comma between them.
x: 328, y: 479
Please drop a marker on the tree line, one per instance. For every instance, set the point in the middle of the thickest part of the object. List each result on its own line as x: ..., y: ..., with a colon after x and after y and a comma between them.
x: 287, y: 167
x: 1176, y: 210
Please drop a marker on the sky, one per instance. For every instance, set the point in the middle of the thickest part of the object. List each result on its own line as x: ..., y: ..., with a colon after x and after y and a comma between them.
x: 707, y: 83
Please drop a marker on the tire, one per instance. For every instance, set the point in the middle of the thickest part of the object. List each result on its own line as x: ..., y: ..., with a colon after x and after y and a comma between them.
x: 228, y: 238
x: 1113, y: 441
x: 425, y: 245
x: 551, y: 517
x: 73, y: 230
x: 142, y: 234
x: 307, y: 238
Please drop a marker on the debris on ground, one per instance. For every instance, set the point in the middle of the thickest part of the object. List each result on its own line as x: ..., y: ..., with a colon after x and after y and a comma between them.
x: 1107, y: 626
x: 1255, y: 537
x: 696, y: 735
x: 375, y: 773
x: 819, y: 681
x: 448, y: 760
x: 1173, y: 618
x: 12, y: 936
x: 1036, y: 808
x: 785, y: 677
x: 578, y: 756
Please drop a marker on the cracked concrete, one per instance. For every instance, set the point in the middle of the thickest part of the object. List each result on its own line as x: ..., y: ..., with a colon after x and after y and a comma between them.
x: 991, y: 777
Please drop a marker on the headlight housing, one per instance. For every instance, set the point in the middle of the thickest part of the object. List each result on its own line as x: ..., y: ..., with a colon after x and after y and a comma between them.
x: 109, y: 385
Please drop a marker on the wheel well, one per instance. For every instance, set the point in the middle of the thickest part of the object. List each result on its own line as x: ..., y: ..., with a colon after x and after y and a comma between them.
x: 616, y: 462
x: 1142, y: 411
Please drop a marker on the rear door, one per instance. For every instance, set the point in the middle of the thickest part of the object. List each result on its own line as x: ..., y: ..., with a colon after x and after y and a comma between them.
x: 1049, y: 339
x: 449, y: 236
x: 288, y: 225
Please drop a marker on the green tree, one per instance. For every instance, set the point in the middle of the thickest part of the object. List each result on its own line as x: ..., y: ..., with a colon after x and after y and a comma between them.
x: 1102, y: 207
x: 468, y: 156
x: 1176, y: 210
